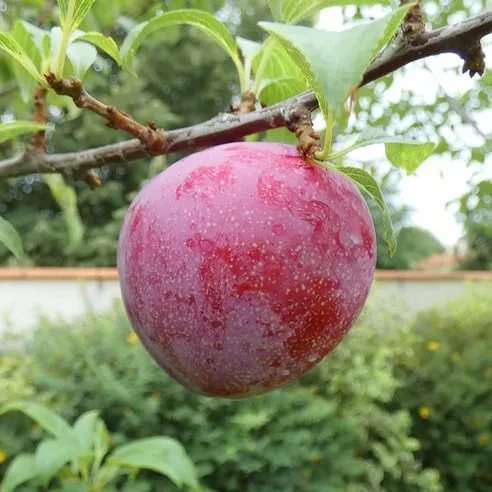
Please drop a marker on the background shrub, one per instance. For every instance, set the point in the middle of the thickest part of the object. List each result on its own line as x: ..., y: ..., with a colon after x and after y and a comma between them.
x: 448, y: 391
x: 330, y: 431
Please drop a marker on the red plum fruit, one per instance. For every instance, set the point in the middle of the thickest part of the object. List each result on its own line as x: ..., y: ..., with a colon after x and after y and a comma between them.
x: 242, y: 266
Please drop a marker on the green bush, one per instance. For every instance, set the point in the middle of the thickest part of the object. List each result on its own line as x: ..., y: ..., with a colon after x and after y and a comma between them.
x: 448, y: 391
x: 79, y: 457
x: 331, y: 431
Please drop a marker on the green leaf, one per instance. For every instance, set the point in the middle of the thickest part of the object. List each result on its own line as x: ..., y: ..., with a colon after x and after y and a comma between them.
x: 53, y: 454
x: 12, y: 129
x: 402, y: 152
x: 15, y: 50
x: 23, y: 77
x: 105, y: 475
x: 278, y: 67
x: 334, y: 62
x: 160, y: 454
x: 75, y: 18
x: 82, y: 56
x: 202, y: 20
x: 101, y: 442
x: 284, y: 83
x: 104, y: 43
x: 46, y: 418
x: 40, y: 37
x: 276, y: 9
x: 249, y: 49
x: 85, y: 430
x: 21, y: 470
x: 66, y: 198
x: 409, y: 155
x: 11, y: 239
x: 294, y: 11
x: 368, y: 184
x: 55, y: 40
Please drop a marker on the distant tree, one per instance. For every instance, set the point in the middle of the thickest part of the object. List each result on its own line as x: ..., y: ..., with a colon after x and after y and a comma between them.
x: 415, y: 244
x: 476, y: 215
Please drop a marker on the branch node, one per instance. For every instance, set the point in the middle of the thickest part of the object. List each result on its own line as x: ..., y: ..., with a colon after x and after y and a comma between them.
x: 413, y: 26
x: 300, y: 122
x: 154, y: 141
x: 247, y: 104
x: 474, y: 59
x: 90, y: 177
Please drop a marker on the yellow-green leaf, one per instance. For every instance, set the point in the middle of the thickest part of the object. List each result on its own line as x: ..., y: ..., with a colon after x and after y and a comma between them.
x: 12, y: 129
x: 73, y: 15
x: 45, y: 417
x: 25, y: 39
x: 334, y: 62
x: 249, y: 49
x: 163, y: 455
x: 10, y: 46
x: 402, y: 152
x: 66, y: 198
x: 294, y: 11
x: 11, y: 239
x: 81, y: 56
x: 202, y: 20
x: 408, y: 155
x: 367, y: 183
x: 104, y: 43
x: 21, y: 470
x: 277, y: 76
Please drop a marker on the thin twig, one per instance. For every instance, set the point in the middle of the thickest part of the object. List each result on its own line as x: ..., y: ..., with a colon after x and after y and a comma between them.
x: 39, y: 140
x: 228, y: 127
x: 154, y: 140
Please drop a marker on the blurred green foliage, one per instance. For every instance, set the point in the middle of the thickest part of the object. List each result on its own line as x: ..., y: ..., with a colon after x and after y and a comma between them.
x: 447, y: 389
x: 415, y: 244
x: 476, y: 214
x: 80, y: 457
x: 330, y: 431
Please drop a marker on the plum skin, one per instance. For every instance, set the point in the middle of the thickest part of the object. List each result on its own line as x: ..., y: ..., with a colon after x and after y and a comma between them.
x: 242, y: 266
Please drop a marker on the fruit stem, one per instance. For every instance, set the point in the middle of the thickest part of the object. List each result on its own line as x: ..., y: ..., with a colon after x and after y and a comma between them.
x: 325, y: 153
x: 267, y: 49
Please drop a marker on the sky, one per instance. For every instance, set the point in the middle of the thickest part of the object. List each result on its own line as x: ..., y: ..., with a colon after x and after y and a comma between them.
x: 434, y: 184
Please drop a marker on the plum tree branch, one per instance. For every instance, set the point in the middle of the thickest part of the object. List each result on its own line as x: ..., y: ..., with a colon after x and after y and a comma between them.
x: 461, y: 39
x: 154, y: 140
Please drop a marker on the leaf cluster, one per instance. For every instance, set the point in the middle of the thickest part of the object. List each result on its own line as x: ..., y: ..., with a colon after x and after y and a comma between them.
x: 76, y: 457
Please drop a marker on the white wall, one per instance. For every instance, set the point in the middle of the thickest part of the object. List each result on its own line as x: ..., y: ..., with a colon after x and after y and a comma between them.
x: 22, y: 301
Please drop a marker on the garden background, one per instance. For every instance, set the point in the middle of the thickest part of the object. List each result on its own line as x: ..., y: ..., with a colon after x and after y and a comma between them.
x: 403, y: 404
